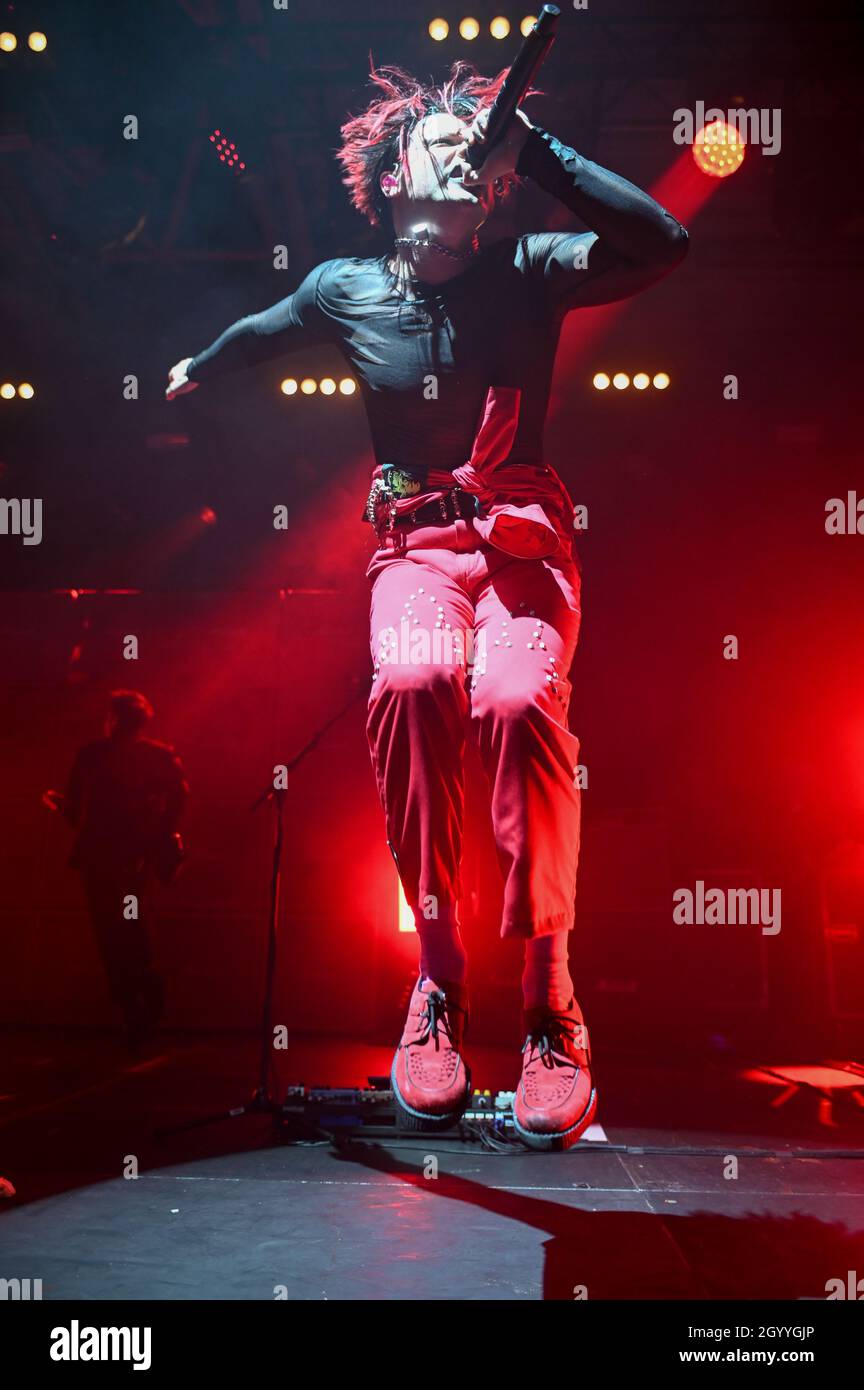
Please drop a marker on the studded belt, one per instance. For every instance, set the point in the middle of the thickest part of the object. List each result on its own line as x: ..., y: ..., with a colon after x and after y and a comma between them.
x: 398, y: 483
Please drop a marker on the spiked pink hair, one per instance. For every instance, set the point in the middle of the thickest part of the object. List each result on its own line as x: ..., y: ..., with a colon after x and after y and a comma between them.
x: 378, y: 138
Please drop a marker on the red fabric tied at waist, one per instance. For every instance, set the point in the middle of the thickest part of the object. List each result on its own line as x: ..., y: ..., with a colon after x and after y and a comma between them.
x: 523, y: 529
x: 518, y: 529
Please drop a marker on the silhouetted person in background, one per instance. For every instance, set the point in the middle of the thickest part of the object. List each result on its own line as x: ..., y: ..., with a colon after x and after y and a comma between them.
x: 125, y: 797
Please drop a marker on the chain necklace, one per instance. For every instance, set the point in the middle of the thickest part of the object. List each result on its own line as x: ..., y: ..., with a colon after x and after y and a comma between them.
x: 429, y: 245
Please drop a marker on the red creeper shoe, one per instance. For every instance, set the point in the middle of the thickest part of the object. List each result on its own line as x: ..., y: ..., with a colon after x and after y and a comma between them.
x: 431, y: 1082
x: 556, y: 1098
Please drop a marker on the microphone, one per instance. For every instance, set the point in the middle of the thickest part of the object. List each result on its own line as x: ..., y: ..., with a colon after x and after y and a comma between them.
x: 536, y: 45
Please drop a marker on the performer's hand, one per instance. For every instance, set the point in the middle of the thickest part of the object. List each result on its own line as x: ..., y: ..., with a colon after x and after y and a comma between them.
x: 178, y: 382
x: 505, y: 155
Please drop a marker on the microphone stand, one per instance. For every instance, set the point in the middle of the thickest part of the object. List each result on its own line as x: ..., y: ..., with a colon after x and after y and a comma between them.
x: 262, y: 1102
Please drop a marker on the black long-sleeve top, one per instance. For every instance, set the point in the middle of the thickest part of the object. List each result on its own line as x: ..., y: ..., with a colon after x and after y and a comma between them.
x: 495, y: 323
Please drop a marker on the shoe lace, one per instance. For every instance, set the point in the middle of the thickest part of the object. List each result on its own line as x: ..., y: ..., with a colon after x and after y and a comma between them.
x: 549, y: 1039
x: 435, y: 1017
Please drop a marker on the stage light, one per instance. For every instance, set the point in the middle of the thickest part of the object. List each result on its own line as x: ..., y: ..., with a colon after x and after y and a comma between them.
x: 25, y: 391
x: 208, y: 516
x: 500, y: 27
x: 8, y: 42
x: 439, y: 29
x: 469, y: 28
x: 309, y: 386
x: 7, y: 390
x: 226, y: 150
x: 37, y: 41
x: 527, y: 23
x: 718, y: 149
x: 404, y: 915
x: 601, y: 381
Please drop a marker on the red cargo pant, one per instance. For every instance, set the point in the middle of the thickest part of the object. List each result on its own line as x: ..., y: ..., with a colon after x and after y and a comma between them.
x: 464, y: 636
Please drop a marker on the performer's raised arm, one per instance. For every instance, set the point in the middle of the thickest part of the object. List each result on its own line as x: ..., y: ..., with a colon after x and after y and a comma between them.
x: 298, y: 321
x: 633, y: 240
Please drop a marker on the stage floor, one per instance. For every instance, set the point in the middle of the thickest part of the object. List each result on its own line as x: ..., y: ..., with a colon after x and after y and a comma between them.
x: 224, y: 1212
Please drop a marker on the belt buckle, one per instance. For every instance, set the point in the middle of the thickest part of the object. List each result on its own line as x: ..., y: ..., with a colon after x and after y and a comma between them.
x: 401, y: 482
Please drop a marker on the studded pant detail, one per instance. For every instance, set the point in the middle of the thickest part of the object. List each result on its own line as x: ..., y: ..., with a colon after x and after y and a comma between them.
x: 466, y: 638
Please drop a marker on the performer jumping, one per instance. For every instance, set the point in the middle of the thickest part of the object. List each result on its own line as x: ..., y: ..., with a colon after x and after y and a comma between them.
x: 475, y: 573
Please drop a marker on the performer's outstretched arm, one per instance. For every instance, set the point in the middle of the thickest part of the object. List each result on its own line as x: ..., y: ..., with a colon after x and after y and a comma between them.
x: 296, y: 322
x: 633, y: 240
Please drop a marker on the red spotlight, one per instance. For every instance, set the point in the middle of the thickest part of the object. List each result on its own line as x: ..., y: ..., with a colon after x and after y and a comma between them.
x: 208, y: 516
